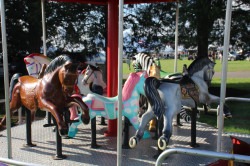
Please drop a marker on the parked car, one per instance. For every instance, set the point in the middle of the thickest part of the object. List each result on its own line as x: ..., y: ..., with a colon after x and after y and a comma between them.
x: 233, y: 56
x: 247, y: 55
x: 99, y: 58
x: 191, y: 57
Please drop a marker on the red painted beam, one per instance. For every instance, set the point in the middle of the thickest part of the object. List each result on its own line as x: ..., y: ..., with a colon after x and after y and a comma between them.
x: 112, y: 59
x: 104, y: 2
x: 94, y: 2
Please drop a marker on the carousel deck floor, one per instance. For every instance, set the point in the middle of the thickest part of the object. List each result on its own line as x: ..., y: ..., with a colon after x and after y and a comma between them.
x: 79, y: 152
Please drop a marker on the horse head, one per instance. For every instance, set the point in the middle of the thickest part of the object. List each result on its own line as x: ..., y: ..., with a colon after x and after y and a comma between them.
x: 203, y: 68
x: 68, y: 76
x: 34, y: 63
x: 89, y: 75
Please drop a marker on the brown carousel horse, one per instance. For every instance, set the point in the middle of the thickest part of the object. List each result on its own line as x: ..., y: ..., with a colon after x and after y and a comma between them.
x: 50, y: 93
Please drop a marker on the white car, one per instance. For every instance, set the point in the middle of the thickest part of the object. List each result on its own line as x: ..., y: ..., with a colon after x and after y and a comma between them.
x: 233, y: 56
x: 98, y: 58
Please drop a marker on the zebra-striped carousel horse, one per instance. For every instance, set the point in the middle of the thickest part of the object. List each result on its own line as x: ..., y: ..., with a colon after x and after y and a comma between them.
x: 145, y: 62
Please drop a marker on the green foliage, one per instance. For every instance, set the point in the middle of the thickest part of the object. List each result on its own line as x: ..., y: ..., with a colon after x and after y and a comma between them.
x: 80, y: 26
x: 23, y: 27
x: 72, y: 25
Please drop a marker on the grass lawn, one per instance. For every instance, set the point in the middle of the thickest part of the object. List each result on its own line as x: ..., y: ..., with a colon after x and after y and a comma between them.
x: 168, y: 66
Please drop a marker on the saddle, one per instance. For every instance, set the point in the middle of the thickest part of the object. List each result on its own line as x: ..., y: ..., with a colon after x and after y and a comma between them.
x: 27, y: 79
x: 189, y: 89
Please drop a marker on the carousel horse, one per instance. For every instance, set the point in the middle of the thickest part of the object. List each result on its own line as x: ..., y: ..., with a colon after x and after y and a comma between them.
x: 166, y: 98
x: 50, y: 93
x: 145, y: 62
x: 34, y: 63
x: 93, y: 76
x: 89, y: 80
x: 107, y: 107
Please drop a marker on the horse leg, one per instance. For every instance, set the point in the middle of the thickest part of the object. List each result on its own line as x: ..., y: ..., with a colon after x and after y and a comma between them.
x: 167, y: 128
x: 139, y: 133
x: 58, y: 116
x: 216, y: 99
x: 73, y: 113
x: 62, y: 127
x: 227, y: 112
x: 15, y: 104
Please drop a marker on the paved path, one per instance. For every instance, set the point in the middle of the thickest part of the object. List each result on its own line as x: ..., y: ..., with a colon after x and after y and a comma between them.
x: 233, y: 74
x: 78, y: 150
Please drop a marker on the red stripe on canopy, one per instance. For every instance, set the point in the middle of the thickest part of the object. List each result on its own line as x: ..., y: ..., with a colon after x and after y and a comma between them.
x: 103, y: 2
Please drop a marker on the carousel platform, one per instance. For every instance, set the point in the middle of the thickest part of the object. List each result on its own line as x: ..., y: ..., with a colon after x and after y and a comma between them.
x: 79, y: 152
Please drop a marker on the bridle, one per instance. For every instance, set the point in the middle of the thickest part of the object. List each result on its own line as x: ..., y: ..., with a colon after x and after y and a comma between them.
x: 85, y: 80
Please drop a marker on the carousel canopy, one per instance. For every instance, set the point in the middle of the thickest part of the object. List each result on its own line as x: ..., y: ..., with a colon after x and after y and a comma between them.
x: 103, y: 2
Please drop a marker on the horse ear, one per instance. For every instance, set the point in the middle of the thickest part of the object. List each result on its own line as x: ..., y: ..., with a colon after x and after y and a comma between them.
x: 68, y: 65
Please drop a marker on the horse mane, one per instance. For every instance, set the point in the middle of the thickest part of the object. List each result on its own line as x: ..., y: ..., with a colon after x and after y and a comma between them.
x: 39, y: 56
x: 94, y: 68
x: 34, y: 55
x: 55, y: 63
x: 129, y: 85
x: 198, y: 64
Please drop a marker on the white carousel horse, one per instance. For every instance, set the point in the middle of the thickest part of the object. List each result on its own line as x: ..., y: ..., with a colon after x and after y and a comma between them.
x: 34, y: 63
x: 93, y: 76
x: 167, y: 96
x: 107, y: 107
x: 89, y: 80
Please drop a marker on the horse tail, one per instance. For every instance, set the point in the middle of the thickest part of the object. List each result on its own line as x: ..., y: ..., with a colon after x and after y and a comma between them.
x: 13, y: 81
x: 151, y: 85
x: 184, y: 115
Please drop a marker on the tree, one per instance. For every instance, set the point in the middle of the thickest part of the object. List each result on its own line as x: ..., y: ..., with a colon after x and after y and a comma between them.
x: 202, y: 23
x: 151, y: 26
x: 22, y: 26
x: 82, y: 26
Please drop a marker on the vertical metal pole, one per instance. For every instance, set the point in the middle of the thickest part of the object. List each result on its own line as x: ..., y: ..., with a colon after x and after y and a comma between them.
x: 220, y: 119
x: 120, y: 77
x: 44, y: 28
x: 6, y: 78
x: 176, y: 37
x: 176, y: 41
x: 44, y: 36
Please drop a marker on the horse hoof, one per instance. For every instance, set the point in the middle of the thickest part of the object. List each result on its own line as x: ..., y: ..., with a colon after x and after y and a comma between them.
x: 228, y: 116
x: 132, y: 142
x: 162, y: 143
x: 85, y: 120
x: 63, y: 132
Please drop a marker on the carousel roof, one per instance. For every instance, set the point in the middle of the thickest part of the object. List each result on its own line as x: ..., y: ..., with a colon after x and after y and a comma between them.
x: 103, y: 2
